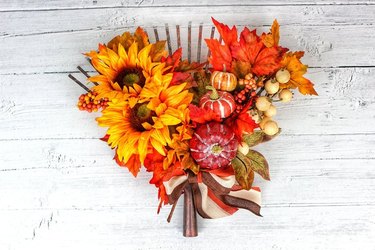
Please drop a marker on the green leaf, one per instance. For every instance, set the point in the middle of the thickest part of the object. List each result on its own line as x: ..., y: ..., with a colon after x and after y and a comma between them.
x: 259, y: 164
x: 258, y: 137
x: 243, y: 171
x: 267, y: 138
x: 254, y: 138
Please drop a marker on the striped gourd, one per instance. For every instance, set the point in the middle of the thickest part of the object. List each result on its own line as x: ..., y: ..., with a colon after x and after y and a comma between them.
x: 221, y: 102
x: 223, y: 80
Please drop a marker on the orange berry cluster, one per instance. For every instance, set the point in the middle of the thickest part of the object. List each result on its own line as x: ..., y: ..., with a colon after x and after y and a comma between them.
x: 88, y: 103
x: 249, y: 85
x: 248, y: 81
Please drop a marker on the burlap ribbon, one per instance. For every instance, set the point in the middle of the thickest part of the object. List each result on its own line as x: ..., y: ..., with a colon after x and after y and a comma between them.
x: 214, y: 196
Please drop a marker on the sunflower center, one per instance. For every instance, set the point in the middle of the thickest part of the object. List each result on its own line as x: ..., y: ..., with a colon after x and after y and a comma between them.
x: 140, y: 114
x: 143, y: 112
x: 130, y: 76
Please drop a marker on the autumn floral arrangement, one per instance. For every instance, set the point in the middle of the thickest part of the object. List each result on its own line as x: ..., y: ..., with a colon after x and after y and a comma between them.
x: 193, y: 125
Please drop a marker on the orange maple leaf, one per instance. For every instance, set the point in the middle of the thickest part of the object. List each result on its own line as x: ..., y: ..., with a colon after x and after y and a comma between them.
x: 292, y: 63
x: 251, y: 49
x: 221, y: 57
x: 133, y: 164
x: 229, y: 35
x: 249, y: 54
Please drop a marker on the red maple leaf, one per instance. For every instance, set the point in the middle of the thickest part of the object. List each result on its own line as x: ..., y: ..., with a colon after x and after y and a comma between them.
x: 174, y: 60
x: 241, y: 123
x: 154, y: 163
x: 200, y: 115
x: 181, y: 77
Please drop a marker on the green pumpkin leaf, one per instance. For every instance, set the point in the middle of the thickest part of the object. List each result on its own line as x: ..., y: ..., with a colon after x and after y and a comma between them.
x: 259, y: 164
x: 243, y: 171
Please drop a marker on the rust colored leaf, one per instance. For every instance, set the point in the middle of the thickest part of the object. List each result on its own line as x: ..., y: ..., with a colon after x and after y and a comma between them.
x: 243, y: 171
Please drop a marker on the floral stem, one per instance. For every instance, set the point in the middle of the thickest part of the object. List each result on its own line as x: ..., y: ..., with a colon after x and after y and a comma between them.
x: 190, y: 215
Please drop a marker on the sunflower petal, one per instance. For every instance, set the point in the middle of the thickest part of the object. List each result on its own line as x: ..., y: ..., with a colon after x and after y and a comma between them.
x: 143, y: 145
x: 133, y: 55
x: 158, y: 146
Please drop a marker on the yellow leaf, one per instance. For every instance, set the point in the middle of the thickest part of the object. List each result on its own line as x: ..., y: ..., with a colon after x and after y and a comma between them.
x: 272, y: 38
x: 158, y: 51
x: 275, y: 33
x: 292, y: 63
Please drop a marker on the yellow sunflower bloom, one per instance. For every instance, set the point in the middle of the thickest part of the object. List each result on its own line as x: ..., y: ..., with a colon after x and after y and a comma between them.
x: 150, y: 123
x: 123, y: 73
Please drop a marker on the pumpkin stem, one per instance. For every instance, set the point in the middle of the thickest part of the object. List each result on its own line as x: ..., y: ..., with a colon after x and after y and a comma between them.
x: 214, y: 94
x: 224, y: 67
x: 216, y: 149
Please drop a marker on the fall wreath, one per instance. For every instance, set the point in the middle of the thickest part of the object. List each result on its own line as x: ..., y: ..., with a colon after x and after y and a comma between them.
x: 191, y: 124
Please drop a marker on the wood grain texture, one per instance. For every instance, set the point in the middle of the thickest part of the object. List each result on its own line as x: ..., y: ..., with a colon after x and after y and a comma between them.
x: 330, y: 35
x: 27, y: 5
x: 60, y: 188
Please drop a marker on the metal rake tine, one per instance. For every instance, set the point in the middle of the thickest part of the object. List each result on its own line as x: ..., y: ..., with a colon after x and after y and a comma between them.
x: 199, y: 42
x: 86, y: 74
x: 156, y: 34
x: 79, y: 83
x: 189, y: 42
x: 178, y: 36
x: 211, y: 37
x: 168, y: 39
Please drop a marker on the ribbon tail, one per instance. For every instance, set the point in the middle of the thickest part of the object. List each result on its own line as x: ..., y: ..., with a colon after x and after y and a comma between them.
x: 246, y: 199
x: 176, y: 194
x: 198, y: 201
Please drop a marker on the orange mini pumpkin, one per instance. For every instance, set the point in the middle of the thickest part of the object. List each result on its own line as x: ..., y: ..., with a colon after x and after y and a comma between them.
x: 223, y: 80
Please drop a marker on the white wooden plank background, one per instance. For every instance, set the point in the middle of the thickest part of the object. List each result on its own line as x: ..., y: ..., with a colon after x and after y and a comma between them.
x: 59, y: 188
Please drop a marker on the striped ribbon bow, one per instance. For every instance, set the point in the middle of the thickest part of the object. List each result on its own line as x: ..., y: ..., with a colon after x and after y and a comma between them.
x: 214, y: 195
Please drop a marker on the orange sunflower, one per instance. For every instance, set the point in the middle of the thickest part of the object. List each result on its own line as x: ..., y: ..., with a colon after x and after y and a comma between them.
x: 123, y: 73
x: 135, y: 129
